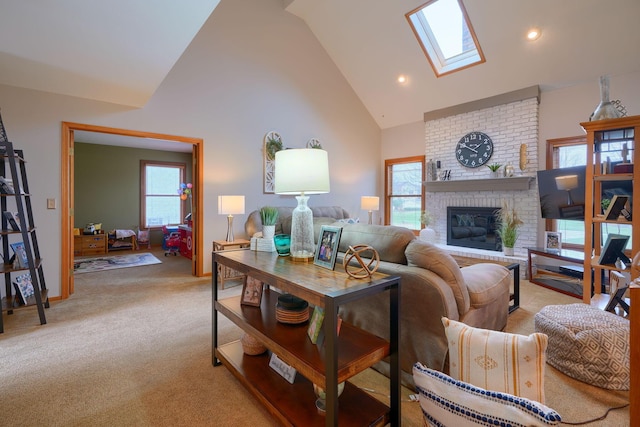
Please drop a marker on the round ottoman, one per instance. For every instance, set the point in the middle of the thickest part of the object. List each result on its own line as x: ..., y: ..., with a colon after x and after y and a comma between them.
x: 587, y: 344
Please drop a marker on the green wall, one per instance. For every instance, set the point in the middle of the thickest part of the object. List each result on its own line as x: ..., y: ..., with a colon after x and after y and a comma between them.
x: 107, y: 184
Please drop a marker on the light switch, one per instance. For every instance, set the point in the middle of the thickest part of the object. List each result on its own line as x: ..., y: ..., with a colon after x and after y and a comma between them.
x: 51, y: 203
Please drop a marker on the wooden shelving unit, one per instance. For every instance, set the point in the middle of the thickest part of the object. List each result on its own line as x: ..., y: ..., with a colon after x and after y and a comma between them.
x: 13, y: 167
x: 608, y: 141
x: 342, y: 357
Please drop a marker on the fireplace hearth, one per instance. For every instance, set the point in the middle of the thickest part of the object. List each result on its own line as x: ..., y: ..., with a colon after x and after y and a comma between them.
x: 472, y: 227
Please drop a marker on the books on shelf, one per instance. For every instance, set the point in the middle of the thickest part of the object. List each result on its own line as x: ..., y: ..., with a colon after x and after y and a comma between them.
x: 24, y: 287
x: 11, y: 220
x: 21, y: 254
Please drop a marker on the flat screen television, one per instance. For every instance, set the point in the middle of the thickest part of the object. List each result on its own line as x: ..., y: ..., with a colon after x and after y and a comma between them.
x: 562, y: 192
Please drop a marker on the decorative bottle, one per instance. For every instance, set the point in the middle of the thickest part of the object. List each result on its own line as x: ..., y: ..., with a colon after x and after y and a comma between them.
x: 605, y: 110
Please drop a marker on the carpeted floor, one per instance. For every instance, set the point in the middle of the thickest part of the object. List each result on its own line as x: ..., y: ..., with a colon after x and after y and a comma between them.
x: 112, y: 262
x: 133, y: 347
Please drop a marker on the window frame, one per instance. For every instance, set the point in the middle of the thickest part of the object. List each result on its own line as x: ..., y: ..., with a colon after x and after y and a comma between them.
x: 144, y: 195
x: 431, y: 47
x: 388, y: 164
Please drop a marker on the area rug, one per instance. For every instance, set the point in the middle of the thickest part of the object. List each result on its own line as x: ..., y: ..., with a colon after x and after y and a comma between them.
x: 88, y: 265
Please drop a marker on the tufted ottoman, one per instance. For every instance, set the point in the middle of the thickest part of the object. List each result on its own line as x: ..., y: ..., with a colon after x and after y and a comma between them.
x: 587, y: 344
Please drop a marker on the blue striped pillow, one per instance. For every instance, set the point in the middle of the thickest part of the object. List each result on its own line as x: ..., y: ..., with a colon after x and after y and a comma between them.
x: 448, y: 402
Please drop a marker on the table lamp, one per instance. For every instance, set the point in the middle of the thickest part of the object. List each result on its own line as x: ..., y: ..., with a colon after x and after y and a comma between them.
x: 230, y: 205
x: 301, y: 171
x: 370, y: 203
x: 567, y: 183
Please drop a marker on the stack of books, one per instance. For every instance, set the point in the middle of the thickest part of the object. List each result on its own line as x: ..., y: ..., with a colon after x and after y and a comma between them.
x: 262, y: 245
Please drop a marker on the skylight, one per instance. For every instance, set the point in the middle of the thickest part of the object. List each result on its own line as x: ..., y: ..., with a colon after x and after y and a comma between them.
x: 445, y: 35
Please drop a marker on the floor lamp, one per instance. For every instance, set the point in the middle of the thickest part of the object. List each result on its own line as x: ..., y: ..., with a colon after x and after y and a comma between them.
x: 567, y: 183
x: 370, y: 203
x: 300, y: 172
x: 230, y: 205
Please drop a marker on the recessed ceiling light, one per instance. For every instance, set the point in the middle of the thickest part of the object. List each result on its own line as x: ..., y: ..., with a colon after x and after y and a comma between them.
x: 402, y: 79
x: 533, y: 34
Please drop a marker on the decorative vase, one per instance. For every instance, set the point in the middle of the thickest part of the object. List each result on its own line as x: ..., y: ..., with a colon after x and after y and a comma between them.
x: 428, y: 235
x: 321, y: 401
x: 268, y: 231
x: 508, y: 251
x: 509, y: 171
x: 495, y: 174
x: 605, y: 110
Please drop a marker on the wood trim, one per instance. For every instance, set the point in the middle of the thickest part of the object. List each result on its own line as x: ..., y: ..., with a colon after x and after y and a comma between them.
x: 67, y: 194
x: 387, y: 191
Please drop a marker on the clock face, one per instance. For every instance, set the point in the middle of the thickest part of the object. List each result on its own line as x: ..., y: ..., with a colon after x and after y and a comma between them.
x: 474, y: 149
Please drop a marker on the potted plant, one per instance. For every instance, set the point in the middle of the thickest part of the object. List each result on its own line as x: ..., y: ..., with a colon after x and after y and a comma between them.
x: 427, y: 234
x: 508, y: 224
x: 269, y: 217
x: 273, y: 146
x: 494, y: 169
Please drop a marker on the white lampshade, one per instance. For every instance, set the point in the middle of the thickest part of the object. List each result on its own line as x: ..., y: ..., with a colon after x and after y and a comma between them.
x: 370, y: 203
x: 301, y: 171
x: 230, y: 205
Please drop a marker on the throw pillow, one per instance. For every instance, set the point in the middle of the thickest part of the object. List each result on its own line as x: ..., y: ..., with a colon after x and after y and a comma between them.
x: 499, y: 361
x: 448, y: 402
x: 349, y: 220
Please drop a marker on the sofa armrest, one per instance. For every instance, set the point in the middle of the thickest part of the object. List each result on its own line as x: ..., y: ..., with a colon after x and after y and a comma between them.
x: 488, y: 286
x: 424, y: 299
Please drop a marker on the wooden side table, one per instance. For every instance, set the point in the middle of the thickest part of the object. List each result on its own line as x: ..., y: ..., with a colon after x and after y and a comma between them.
x: 225, y: 273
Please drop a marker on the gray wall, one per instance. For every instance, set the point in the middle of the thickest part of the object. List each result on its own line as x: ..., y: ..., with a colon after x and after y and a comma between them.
x: 107, y: 184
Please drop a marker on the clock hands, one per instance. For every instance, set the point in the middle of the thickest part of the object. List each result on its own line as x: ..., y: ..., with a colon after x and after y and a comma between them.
x: 463, y: 145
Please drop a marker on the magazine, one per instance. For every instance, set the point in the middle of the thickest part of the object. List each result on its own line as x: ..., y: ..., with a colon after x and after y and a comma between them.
x: 24, y: 287
x: 21, y: 254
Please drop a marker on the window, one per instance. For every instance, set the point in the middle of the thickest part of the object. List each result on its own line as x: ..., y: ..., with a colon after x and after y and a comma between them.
x: 564, y: 153
x: 404, y: 192
x: 446, y: 36
x: 160, y: 203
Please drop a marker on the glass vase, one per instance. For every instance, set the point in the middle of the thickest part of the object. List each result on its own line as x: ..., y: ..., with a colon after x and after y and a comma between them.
x: 605, y: 109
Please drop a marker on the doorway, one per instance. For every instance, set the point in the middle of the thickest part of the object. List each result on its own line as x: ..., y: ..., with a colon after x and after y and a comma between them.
x: 67, y: 194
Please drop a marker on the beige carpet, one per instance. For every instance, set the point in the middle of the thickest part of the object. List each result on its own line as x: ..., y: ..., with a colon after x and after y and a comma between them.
x: 132, y: 347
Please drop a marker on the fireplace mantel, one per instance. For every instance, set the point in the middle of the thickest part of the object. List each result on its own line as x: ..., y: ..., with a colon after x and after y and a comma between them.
x: 487, y: 184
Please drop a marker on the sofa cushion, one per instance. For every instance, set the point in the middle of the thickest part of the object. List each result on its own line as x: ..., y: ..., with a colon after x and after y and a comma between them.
x: 485, y: 282
x: 448, y: 402
x: 389, y: 241
x: 430, y: 257
x: 498, y: 361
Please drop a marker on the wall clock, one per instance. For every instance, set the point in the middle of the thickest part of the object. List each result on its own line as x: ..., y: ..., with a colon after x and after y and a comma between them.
x: 474, y: 149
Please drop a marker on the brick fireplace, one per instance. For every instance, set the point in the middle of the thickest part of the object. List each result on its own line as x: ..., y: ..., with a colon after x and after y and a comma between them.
x: 509, y: 124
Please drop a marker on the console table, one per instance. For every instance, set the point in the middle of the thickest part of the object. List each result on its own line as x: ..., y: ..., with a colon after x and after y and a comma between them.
x: 343, y: 356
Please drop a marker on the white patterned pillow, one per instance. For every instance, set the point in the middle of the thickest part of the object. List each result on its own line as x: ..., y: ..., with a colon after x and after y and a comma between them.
x: 499, y: 361
x: 448, y: 402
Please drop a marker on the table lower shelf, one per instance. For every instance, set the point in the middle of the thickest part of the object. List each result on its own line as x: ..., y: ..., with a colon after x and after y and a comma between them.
x: 294, y: 404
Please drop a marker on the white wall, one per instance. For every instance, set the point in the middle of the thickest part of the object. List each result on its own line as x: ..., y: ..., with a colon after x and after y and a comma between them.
x: 252, y: 68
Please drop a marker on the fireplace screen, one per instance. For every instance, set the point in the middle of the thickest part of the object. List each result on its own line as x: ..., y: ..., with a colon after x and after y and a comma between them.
x: 472, y: 228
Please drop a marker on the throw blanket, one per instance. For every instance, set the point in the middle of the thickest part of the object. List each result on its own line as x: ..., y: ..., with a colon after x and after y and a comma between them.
x: 121, y: 234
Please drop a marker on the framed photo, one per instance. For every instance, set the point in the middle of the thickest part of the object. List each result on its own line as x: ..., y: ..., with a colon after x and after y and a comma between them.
x: 615, y: 207
x: 552, y: 241
x: 614, y: 249
x: 251, y: 292
x: 24, y: 287
x: 327, y: 250
x: 21, y: 254
x: 618, y: 286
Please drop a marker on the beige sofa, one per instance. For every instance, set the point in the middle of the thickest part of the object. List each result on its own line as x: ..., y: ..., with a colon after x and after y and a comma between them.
x: 322, y: 215
x: 432, y: 286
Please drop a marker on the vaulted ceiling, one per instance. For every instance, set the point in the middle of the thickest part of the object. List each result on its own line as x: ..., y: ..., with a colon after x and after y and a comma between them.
x: 120, y: 51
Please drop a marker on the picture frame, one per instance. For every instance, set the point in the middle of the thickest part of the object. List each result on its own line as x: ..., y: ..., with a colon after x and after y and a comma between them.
x: 21, y: 254
x: 251, y: 291
x: 618, y: 285
x: 327, y: 248
x: 11, y: 220
x: 615, y: 207
x: 614, y: 249
x: 24, y: 287
x: 552, y: 241
x: 315, y: 324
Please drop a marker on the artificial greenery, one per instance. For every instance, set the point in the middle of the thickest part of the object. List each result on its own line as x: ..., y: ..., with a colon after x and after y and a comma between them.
x: 494, y: 167
x: 508, y: 224
x: 273, y: 146
x: 268, y: 215
x: 605, y: 204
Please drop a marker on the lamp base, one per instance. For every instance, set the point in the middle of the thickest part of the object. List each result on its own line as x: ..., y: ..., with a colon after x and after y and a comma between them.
x: 302, y: 257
